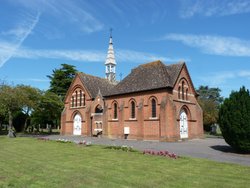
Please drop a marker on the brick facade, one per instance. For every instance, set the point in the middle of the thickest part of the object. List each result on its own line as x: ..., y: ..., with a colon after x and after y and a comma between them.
x: 157, y: 111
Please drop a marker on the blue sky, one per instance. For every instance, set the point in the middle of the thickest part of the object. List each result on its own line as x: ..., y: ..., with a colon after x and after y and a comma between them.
x: 211, y: 36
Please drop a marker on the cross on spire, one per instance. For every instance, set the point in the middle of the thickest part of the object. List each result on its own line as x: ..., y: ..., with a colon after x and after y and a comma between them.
x: 111, y: 32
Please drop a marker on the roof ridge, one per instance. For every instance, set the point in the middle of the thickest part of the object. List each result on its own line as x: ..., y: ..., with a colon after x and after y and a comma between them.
x: 152, y: 63
x: 165, y: 71
x: 93, y: 76
x: 94, y: 83
x: 178, y: 63
x: 174, y: 70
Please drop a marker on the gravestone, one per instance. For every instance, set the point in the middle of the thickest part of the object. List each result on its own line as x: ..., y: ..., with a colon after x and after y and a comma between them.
x: 11, y: 134
x: 214, y: 128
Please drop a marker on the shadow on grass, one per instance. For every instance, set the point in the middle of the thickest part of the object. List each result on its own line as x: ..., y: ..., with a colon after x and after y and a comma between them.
x: 3, y: 132
x: 36, y: 134
x: 27, y: 134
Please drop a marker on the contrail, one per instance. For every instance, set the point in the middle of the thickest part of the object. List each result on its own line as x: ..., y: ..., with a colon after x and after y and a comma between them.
x: 7, y: 50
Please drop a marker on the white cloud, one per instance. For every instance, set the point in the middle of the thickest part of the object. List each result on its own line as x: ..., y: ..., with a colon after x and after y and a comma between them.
x: 129, y: 55
x: 17, y: 37
x: 244, y: 73
x: 75, y: 55
x: 72, y: 12
x: 87, y: 55
x: 18, y: 32
x: 32, y: 80
x: 218, y: 45
x: 227, y: 80
x: 219, y: 79
x: 214, y: 7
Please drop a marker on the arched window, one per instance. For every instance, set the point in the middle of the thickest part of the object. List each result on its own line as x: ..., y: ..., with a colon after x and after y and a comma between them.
x: 72, y: 101
x: 80, y: 97
x: 84, y: 99
x: 98, y: 109
x: 76, y: 98
x: 179, y: 92
x: 132, y: 107
x: 115, y: 110
x: 182, y: 85
x: 186, y: 94
x: 153, y: 108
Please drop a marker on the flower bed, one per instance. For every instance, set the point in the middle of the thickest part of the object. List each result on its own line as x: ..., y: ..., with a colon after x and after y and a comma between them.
x: 44, y: 139
x: 85, y: 143
x: 123, y: 148
x: 160, y: 153
x: 63, y: 141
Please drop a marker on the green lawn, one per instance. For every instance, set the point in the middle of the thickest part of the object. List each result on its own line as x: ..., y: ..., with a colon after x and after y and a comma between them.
x: 28, y: 162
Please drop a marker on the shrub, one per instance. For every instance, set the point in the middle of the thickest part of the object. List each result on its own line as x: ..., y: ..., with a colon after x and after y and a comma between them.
x: 234, y: 120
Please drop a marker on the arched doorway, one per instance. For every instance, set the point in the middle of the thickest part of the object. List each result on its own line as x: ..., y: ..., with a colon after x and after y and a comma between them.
x: 77, y: 129
x: 183, y: 124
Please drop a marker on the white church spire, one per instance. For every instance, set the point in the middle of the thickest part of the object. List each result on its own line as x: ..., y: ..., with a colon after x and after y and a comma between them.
x: 110, y: 63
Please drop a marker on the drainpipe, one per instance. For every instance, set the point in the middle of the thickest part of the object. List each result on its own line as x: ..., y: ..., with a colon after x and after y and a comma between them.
x: 159, y: 127
x: 91, y: 117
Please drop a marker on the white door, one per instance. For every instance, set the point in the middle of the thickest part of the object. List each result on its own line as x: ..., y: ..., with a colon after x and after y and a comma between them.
x: 77, y: 125
x: 183, y: 125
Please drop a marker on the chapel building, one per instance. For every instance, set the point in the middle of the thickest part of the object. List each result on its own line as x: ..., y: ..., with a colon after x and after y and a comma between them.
x: 154, y: 102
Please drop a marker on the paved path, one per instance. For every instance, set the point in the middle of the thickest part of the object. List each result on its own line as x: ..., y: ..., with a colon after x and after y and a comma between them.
x: 210, y: 148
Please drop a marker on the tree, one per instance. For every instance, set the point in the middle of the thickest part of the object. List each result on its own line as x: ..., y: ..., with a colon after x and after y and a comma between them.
x: 11, y: 100
x: 30, y: 101
x: 18, y: 102
x: 2, y: 117
x: 19, y: 119
x: 206, y: 93
x: 48, y: 110
x: 61, y: 79
x: 234, y: 120
x: 209, y: 100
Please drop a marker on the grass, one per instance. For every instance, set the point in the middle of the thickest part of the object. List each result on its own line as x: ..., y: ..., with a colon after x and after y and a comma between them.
x: 28, y: 162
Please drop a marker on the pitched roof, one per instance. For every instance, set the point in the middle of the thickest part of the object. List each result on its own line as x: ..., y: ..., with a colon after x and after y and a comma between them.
x: 174, y: 71
x: 154, y: 75
x: 95, y: 84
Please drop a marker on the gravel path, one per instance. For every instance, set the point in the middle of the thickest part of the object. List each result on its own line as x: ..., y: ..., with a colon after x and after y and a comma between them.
x: 210, y: 148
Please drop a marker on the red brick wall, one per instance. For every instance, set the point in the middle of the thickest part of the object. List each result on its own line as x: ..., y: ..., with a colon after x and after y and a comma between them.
x: 194, y: 111
x: 165, y: 126
x: 136, y: 125
x: 69, y: 111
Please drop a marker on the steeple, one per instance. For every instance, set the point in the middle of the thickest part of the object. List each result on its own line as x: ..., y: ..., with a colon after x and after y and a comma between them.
x: 110, y: 63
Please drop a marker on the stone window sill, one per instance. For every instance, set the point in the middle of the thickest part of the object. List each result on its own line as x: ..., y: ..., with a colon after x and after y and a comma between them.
x: 153, y: 118
x: 132, y: 119
x: 114, y: 120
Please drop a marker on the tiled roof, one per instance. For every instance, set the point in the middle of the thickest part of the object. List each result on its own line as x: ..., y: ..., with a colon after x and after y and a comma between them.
x: 174, y: 71
x: 154, y: 75
x: 93, y: 84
